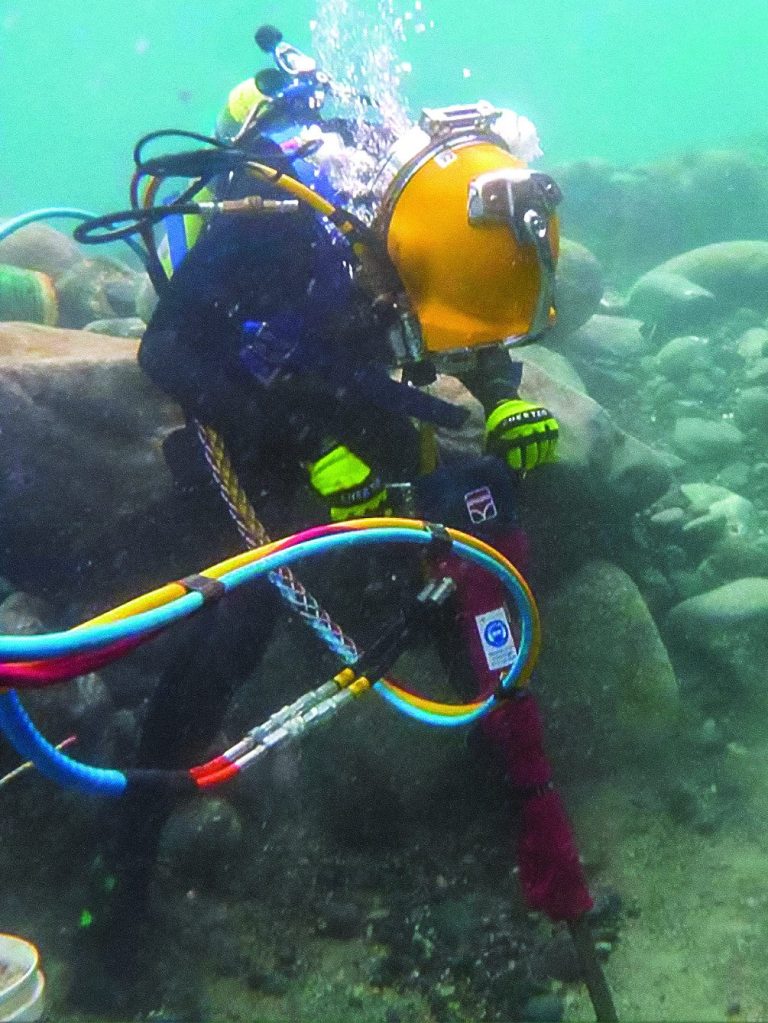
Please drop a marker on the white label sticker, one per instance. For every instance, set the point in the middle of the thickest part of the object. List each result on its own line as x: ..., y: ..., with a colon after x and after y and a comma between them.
x: 496, y: 636
x: 445, y: 158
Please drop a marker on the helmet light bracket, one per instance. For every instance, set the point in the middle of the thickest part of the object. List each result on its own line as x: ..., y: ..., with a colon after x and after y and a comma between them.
x: 478, y: 117
x: 525, y: 201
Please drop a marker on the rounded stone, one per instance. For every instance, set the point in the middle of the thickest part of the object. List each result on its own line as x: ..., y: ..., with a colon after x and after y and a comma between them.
x: 199, y: 838
x: 616, y: 337
x: 146, y: 299
x: 40, y: 247
x: 706, y: 440
x: 605, y: 658
x: 668, y: 518
x: 544, y: 1009
x: 758, y: 371
x: 125, y: 326
x: 736, y: 272
x: 735, y: 603
x: 553, y: 363
x: 579, y: 288
x: 96, y: 289
x: 750, y: 409
x: 669, y: 302
x: 734, y: 476
x: 678, y: 357
x: 753, y: 343
x: 700, y: 385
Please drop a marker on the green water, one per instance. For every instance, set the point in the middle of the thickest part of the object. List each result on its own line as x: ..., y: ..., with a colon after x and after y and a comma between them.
x: 618, y: 79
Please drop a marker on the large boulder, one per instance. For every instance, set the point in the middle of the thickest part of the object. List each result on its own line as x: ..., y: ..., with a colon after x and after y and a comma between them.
x: 667, y: 302
x: 635, y: 217
x: 97, y: 289
x: 688, y: 291
x: 81, y: 456
x: 741, y: 602
x: 736, y: 272
x: 40, y: 247
x: 604, y: 670
x: 598, y: 463
x: 578, y: 288
x: 553, y: 363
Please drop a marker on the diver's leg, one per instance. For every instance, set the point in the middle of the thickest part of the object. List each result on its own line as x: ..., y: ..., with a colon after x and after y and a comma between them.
x: 479, y: 497
x: 185, y: 714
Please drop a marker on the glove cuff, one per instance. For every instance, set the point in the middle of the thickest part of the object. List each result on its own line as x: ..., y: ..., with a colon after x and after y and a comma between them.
x: 514, y: 413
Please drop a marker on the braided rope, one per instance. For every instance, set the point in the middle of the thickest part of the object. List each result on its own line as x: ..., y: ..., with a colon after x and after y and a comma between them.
x: 253, y: 533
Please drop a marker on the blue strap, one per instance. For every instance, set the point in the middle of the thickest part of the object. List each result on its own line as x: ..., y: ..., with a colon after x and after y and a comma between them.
x: 176, y: 235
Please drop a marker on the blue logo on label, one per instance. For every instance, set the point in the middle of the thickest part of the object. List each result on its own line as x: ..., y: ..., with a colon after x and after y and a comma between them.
x: 496, y: 633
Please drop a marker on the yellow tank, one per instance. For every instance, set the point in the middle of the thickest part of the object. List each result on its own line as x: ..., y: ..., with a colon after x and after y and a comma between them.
x: 469, y: 283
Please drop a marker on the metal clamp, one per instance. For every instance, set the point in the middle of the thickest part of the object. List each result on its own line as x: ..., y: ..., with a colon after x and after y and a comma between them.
x: 525, y: 200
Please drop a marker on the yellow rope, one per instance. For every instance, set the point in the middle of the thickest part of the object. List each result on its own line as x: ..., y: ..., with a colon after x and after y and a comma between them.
x: 249, y: 525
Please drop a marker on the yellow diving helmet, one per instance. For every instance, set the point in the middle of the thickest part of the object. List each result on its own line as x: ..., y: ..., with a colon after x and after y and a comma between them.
x: 470, y: 230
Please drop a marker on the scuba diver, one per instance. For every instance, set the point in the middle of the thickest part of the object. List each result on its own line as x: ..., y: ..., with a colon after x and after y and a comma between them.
x: 304, y: 322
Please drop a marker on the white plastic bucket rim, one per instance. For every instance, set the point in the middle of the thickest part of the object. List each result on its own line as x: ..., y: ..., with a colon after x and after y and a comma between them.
x: 22, y: 1000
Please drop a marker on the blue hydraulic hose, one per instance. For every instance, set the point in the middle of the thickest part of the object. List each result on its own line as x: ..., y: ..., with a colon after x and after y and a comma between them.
x: 61, y: 212
x: 30, y: 744
x: 56, y: 644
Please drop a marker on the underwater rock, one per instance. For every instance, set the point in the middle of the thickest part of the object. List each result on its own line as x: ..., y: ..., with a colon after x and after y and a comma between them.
x: 81, y: 455
x: 615, y: 337
x: 83, y: 707
x: 750, y: 409
x: 735, y: 476
x: 679, y: 356
x: 595, y: 457
x: 605, y: 665
x: 96, y: 289
x: 578, y: 289
x: 668, y: 302
x: 735, y: 603
x: 553, y: 363
x: 40, y: 247
x: 734, y: 556
x: 199, y: 839
x: 21, y: 614
x: 711, y: 504
x: 632, y: 218
x: 735, y: 272
x: 146, y: 298
x: 126, y: 326
x: 706, y: 440
x: 668, y: 519
x: 757, y: 371
x: 340, y: 919
x: 597, y: 462
x: 753, y: 343
x: 27, y: 295
x: 544, y: 1009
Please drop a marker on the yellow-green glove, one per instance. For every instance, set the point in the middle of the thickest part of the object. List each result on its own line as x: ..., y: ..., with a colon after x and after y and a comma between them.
x: 523, y: 434
x: 349, y: 487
